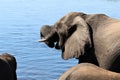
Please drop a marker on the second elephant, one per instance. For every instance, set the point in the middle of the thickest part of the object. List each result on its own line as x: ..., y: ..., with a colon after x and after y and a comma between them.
x: 8, y: 66
x: 87, y: 71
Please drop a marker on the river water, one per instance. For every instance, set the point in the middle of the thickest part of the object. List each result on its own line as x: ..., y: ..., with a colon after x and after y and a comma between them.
x: 20, y: 22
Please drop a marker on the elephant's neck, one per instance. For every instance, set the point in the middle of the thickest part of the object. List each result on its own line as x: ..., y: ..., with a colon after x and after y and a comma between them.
x: 115, y: 66
x: 89, y: 57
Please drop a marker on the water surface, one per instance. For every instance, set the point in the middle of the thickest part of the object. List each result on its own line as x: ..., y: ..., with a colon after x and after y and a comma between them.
x: 20, y: 21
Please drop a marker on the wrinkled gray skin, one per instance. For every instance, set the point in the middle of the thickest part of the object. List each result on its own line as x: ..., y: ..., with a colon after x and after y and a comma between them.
x: 92, y: 38
x: 8, y: 67
x: 87, y: 71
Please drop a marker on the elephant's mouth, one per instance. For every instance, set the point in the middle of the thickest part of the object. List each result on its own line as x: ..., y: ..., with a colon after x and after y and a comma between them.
x: 50, y: 43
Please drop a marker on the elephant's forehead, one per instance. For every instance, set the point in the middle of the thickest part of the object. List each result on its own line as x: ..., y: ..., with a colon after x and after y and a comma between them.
x: 45, y: 30
x: 68, y: 19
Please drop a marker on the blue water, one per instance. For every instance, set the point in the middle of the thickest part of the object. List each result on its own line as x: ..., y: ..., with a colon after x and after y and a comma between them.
x: 20, y: 22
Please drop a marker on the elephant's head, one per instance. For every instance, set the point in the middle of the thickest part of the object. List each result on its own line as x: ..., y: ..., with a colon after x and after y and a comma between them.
x: 49, y: 36
x: 71, y: 34
x: 10, y: 59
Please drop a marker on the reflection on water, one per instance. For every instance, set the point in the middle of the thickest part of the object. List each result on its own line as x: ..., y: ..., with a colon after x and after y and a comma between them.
x: 20, y: 21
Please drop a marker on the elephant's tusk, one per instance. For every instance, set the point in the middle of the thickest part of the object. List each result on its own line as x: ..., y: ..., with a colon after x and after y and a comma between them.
x: 42, y: 40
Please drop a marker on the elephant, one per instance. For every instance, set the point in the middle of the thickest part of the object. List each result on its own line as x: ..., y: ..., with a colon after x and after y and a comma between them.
x: 88, y: 71
x: 92, y: 38
x: 8, y: 66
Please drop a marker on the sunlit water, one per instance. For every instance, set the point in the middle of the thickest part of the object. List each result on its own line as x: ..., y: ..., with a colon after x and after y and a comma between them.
x: 20, y: 21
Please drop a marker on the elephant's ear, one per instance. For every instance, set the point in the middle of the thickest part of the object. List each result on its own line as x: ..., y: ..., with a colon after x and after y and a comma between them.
x: 79, y: 40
